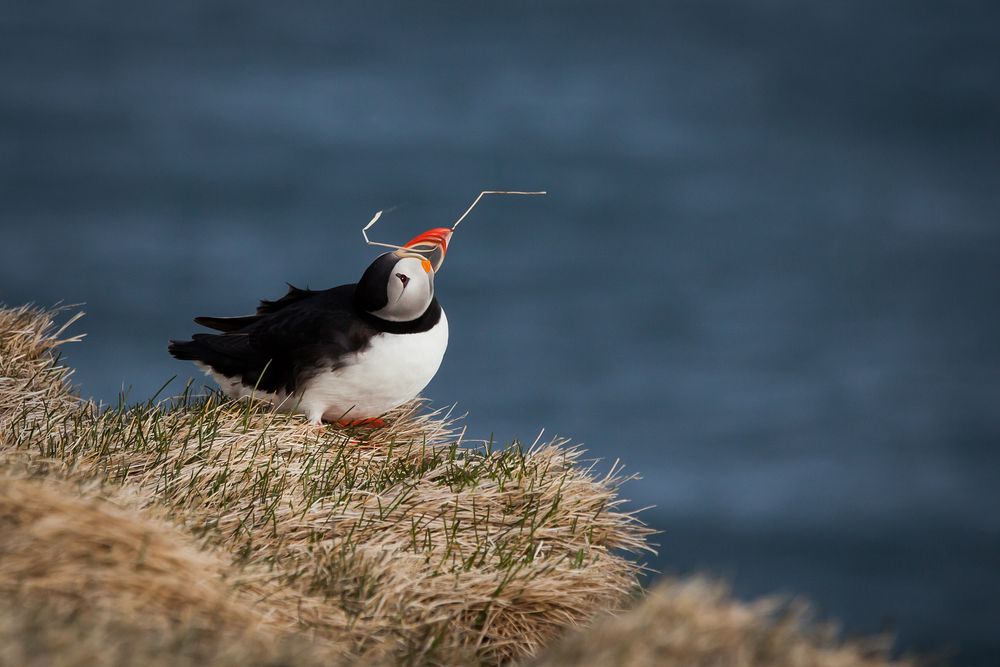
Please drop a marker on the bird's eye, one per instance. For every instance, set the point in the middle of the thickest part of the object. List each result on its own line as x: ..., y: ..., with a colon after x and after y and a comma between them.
x: 403, y: 278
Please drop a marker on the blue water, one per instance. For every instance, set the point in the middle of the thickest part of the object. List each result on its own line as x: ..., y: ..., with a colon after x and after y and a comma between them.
x: 767, y: 276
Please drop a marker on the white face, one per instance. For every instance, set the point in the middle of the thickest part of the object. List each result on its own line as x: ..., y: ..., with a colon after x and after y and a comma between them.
x: 409, y: 291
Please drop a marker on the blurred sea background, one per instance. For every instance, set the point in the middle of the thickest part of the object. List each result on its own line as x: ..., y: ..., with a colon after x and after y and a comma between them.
x: 766, y: 277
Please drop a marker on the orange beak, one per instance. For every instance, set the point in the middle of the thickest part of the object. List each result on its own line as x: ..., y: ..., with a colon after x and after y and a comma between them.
x: 431, y: 246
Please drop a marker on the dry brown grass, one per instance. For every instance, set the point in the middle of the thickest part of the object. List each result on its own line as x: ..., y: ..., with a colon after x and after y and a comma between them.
x: 84, y: 582
x: 203, y: 531
x: 398, y: 545
x: 694, y: 623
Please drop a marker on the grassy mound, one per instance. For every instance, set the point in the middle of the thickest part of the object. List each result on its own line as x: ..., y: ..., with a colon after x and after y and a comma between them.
x: 396, y: 544
x: 204, y: 531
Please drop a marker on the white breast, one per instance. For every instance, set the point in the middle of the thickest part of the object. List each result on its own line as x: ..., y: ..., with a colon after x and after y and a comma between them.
x: 392, y: 370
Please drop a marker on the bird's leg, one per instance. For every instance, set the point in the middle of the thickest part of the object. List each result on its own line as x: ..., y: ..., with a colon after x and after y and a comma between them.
x: 315, y: 418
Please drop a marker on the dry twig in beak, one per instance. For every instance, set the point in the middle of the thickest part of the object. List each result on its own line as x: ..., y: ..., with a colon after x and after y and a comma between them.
x: 378, y: 214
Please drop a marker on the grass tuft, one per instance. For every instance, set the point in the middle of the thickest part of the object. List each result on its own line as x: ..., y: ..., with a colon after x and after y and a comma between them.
x: 694, y: 623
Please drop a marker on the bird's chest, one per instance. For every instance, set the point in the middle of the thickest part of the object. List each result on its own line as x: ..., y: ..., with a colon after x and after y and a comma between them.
x: 391, y: 370
x: 402, y: 359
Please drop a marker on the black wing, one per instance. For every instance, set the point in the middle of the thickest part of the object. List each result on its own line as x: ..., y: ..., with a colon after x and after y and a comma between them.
x: 228, y: 324
x: 294, y: 295
x: 286, y: 343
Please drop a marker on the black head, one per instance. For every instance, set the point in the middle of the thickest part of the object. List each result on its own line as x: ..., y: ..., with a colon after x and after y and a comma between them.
x: 396, y: 289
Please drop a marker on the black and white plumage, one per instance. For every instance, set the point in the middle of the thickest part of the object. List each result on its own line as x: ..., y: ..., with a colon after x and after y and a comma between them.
x: 351, y: 352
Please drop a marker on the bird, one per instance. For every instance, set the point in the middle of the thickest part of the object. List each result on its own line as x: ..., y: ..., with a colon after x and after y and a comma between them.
x: 344, y: 355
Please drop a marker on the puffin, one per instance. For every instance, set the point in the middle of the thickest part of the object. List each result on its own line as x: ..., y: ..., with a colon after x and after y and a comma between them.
x: 344, y: 355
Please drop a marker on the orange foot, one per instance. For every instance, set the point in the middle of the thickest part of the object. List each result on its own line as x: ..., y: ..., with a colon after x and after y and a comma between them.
x: 373, y: 422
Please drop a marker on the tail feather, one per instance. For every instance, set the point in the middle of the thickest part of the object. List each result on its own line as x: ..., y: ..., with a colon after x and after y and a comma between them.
x: 180, y: 349
x: 233, y: 356
x: 186, y: 350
